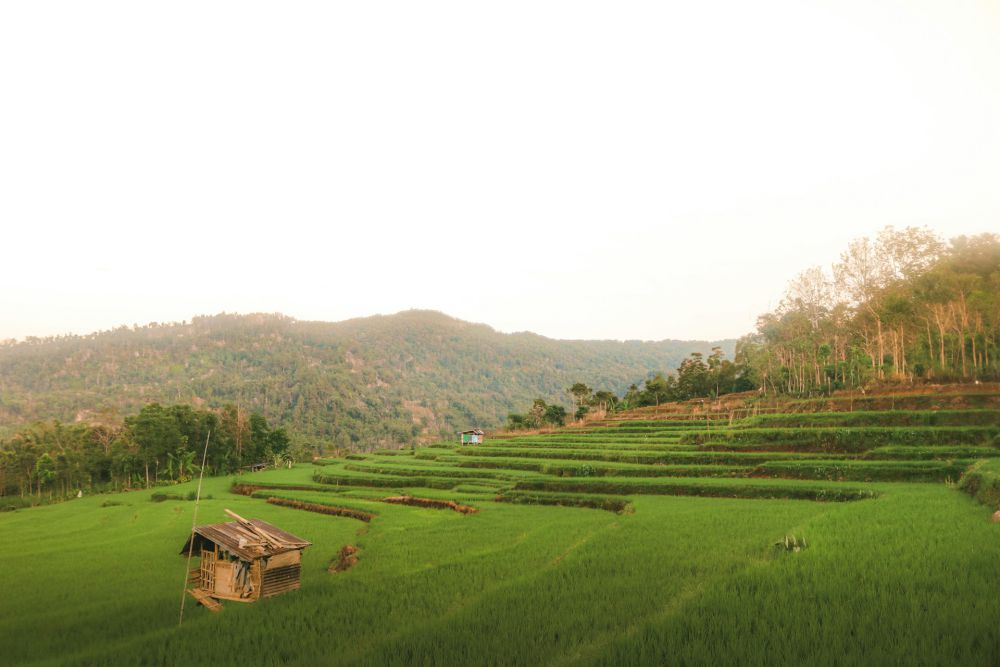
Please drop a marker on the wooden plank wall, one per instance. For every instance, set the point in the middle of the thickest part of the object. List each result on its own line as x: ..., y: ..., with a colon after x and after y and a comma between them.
x: 281, y: 579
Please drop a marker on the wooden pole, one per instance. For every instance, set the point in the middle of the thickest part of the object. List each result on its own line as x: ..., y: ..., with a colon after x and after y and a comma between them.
x: 194, y: 522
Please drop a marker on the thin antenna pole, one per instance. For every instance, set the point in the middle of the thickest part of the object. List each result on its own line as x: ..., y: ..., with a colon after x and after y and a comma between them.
x: 194, y: 522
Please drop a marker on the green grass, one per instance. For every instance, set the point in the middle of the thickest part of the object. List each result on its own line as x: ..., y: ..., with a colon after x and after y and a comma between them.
x: 905, y: 579
x: 593, y: 443
x: 869, y: 471
x: 703, y: 456
x: 710, y: 487
x: 894, y: 579
x: 321, y: 498
x: 926, y: 453
x: 679, y: 568
x: 845, y: 440
x: 881, y: 418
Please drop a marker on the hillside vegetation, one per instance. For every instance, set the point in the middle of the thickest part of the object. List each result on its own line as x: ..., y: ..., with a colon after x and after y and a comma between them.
x: 903, y: 306
x: 416, y: 375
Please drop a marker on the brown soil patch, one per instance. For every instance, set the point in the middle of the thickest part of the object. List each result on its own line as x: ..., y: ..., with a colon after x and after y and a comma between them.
x: 345, y: 560
x: 431, y: 503
x: 323, y: 509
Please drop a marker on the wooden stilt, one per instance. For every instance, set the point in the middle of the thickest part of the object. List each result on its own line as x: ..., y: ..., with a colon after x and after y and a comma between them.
x: 205, y: 600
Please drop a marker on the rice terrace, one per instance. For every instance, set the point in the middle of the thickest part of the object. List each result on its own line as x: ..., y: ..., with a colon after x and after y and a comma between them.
x: 847, y: 529
x: 465, y: 334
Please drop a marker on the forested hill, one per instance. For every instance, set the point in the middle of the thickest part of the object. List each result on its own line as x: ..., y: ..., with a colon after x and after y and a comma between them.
x: 376, y: 380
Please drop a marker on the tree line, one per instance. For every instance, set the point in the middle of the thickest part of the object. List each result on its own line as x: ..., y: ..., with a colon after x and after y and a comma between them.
x: 159, y: 444
x: 902, y: 306
x: 696, y: 377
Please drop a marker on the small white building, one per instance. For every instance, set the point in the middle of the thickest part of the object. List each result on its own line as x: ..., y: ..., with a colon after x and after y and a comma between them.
x: 472, y: 437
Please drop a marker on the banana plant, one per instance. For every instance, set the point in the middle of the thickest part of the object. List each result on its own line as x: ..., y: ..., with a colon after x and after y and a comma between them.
x: 185, y: 459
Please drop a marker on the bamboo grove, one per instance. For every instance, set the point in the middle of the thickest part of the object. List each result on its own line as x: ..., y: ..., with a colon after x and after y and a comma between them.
x: 159, y: 445
x: 903, y: 306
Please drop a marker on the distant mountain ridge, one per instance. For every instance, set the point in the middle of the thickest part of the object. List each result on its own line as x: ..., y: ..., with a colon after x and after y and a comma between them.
x: 380, y: 380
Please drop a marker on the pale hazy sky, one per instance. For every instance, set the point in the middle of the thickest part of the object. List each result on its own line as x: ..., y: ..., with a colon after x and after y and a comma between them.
x: 579, y: 169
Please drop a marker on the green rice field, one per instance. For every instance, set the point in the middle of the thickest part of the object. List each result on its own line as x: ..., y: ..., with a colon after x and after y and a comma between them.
x: 818, y: 538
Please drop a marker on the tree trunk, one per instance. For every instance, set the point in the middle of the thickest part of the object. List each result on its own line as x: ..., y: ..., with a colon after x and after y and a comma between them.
x: 902, y: 349
x: 975, y: 364
x: 930, y: 342
x: 941, y: 329
x: 961, y: 346
x: 881, y: 347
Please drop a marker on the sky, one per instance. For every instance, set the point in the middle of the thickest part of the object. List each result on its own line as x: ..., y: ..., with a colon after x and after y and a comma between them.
x: 639, y: 170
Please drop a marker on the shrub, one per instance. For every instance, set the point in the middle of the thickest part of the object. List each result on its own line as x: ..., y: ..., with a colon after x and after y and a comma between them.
x: 982, y: 482
x: 160, y: 496
x: 11, y: 503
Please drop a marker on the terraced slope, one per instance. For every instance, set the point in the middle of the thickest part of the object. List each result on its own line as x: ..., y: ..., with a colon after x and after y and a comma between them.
x: 827, y: 538
x: 815, y: 456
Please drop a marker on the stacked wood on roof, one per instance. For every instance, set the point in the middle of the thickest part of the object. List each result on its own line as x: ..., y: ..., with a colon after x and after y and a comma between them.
x: 244, y: 560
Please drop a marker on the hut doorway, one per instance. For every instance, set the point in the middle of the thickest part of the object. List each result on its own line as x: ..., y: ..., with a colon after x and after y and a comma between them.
x: 224, y: 579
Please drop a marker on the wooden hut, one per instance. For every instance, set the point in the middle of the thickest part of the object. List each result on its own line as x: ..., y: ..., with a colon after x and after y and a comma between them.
x: 243, y: 560
x: 472, y: 437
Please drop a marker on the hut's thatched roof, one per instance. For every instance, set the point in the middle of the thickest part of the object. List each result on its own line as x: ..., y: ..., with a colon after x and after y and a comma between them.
x: 258, y: 540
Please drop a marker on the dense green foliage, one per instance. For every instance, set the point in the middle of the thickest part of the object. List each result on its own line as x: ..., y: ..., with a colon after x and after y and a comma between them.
x: 694, y: 378
x: 160, y: 444
x: 358, y: 384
